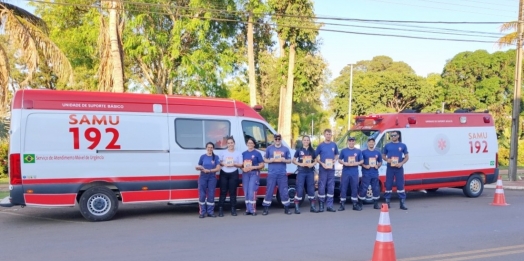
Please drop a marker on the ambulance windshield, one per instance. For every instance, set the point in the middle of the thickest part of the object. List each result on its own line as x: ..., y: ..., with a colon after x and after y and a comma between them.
x: 361, y: 138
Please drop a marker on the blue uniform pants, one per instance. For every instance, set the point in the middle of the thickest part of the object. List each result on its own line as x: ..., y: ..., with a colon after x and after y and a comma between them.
x: 250, y: 182
x: 368, y: 179
x: 281, y: 181
x: 308, y: 179
x: 396, y: 175
x: 326, y: 183
x: 349, y: 180
x: 207, y: 184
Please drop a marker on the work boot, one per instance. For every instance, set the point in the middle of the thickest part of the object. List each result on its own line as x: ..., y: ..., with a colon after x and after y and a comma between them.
x: 375, y: 204
x: 330, y: 209
x: 360, y: 203
x: 313, y: 207
x: 297, y: 207
x: 356, y: 206
x: 342, y: 207
x: 402, y: 204
x: 286, y: 210
x: 387, y: 202
x: 220, y: 212
x: 233, y: 211
x: 321, y: 206
x: 266, y: 211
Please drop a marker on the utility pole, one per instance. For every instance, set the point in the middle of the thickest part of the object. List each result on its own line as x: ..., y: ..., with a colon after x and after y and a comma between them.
x: 350, y: 95
x: 513, y: 157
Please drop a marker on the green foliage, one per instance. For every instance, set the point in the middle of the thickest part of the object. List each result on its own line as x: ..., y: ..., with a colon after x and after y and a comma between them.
x: 238, y: 90
x: 483, y: 81
x: 4, y: 156
x: 381, y: 85
x: 504, y: 155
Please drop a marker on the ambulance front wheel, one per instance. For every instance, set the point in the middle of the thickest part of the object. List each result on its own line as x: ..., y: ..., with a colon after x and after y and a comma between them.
x: 474, y: 186
x: 98, y: 204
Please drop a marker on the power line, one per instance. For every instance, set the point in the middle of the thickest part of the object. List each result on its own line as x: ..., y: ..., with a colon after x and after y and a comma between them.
x: 279, y: 14
x: 469, y: 6
x: 295, y: 26
x: 425, y: 6
x: 490, y: 3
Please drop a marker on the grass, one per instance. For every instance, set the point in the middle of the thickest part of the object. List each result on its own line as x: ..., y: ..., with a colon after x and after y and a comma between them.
x: 3, y: 194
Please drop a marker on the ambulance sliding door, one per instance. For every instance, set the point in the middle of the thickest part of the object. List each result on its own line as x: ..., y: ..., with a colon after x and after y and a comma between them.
x: 130, y: 150
x: 191, y: 133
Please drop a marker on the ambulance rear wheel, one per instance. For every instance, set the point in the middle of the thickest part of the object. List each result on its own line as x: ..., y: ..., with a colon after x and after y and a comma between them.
x: 291, y: 191
x: 98, y: 204
x: 473, y: 187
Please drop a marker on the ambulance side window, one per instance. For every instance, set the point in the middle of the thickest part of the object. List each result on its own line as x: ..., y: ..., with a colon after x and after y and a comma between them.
x: 195, y: 133
x: 262, y: 135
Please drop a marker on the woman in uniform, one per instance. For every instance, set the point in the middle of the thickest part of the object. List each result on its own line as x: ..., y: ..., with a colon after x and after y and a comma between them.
x: 305, y: 160
x: 230, y: 160
x: 208, y: 165
x: 251, y: 165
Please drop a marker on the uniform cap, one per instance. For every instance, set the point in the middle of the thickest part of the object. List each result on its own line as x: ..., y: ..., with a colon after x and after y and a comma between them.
x: 278, y: 135
x: 351, y: 138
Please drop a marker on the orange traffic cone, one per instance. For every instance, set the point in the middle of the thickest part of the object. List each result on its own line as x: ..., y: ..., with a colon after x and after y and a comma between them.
x: 384, y: 249
x: 499, y: 199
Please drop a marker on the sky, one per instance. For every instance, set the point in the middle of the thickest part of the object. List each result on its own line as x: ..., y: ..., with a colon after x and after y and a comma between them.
x: 424, y: 56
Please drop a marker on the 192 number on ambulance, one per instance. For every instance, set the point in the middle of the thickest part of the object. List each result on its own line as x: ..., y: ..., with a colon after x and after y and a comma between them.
x: 94, y: 136
x: 478, y: 146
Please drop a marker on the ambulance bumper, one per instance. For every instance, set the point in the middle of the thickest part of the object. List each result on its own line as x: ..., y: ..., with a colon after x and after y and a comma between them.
x: 492, y: 178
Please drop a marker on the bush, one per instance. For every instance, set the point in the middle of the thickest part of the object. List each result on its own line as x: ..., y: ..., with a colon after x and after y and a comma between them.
x: 4, y: 155
x: 504, y: 155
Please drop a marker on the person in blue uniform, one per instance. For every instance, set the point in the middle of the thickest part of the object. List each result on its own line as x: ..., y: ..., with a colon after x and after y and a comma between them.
x: 252, y: 163
x: 230, y: 160
x: 276, y: 157
x: 350, y: 158
x: 327, y: 154
x: 396, y: 155
x: 208, y: 165
x: 372, y: 162
x: 304, y: 159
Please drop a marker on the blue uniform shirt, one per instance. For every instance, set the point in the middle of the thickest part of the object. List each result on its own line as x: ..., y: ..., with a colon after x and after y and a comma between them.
x: 355, y: 154
x: 301, y: 154
x: 208, y: 162
x: 366, y: 155
x: 254, y: 157
x: 327, y: 151
x: 395, y: 150
x: 277, y: 167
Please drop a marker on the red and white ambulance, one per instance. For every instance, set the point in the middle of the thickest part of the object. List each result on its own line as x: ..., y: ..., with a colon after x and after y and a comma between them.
x: 457, y: 150
x: 96, y: 149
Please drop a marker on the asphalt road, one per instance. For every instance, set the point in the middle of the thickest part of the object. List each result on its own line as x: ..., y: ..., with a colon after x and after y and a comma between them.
x: 438, y: 226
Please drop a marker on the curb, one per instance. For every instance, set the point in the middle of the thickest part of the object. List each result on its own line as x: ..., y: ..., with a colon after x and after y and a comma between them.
x: 492, y: 186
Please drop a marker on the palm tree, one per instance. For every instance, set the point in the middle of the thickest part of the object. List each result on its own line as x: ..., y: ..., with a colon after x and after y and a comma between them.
x: 28, y: 34
x: 110, y: 72
x: 511, y: 38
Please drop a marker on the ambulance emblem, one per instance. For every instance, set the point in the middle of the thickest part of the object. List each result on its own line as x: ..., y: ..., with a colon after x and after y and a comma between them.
x: 441, y: 144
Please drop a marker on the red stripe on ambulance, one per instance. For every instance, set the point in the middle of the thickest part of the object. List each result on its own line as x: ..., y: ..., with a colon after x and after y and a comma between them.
x: 59, y: 200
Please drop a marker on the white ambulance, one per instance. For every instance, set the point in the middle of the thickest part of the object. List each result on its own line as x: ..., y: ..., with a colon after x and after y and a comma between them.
x: 96, y: 149
x: 456, y: 150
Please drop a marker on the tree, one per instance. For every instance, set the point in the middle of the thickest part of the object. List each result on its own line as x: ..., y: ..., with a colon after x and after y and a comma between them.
x: 111, y: 70
x: 29, y: 34
x: 296, y: 29
x: 482, y: 81
x: 382, y: 85
x: 510, y: 38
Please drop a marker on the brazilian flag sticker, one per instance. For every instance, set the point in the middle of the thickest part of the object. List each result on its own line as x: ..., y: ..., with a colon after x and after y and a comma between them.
x: 29, y: 158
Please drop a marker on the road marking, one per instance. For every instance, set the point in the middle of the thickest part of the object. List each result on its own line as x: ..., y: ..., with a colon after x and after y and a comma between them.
x: 44, y: 218
x: 456, y: 254
x: 485, y: 255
